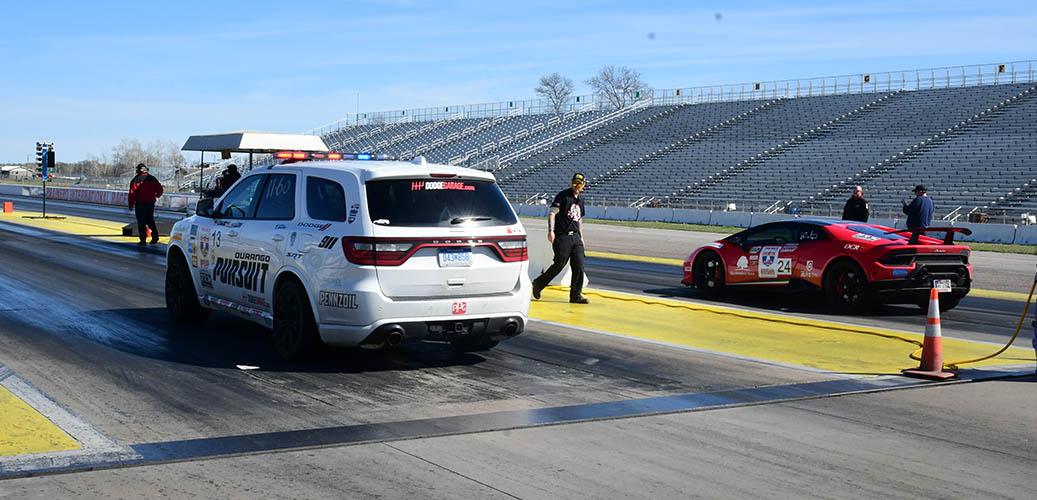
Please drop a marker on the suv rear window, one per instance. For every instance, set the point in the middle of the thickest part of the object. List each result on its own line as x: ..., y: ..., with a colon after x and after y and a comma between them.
x: 432, y: 202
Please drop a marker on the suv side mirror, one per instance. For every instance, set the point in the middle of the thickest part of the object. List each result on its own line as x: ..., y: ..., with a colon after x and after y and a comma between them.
x: 205, y: 207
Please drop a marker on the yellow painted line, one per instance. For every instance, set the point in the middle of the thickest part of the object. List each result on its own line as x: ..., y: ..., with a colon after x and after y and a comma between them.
x: 94, y: 228
x: 635, y: 258
x: 24, y: 430
x: 975, y: 292
x: 815, y: 344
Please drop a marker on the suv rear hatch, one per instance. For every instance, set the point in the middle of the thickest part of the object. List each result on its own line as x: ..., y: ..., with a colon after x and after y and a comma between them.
x: 436, y: 238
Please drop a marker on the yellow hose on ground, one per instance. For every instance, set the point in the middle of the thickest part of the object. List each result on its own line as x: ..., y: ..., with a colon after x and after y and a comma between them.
x: 953, y: 365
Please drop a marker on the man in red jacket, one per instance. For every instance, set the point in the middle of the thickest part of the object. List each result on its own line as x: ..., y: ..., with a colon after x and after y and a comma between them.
x: 144, y: 190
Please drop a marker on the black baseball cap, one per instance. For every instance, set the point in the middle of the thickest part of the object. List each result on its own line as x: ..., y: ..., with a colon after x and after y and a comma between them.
x: 578, y: 178
x: 141, y: 168
x: 919, y: 188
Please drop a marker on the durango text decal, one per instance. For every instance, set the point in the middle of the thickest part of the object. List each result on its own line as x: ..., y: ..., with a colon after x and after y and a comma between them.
x: 245, y: 270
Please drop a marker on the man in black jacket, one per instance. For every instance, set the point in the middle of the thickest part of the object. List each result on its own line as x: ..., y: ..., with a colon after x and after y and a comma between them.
x: 563, y: 231
x: 856, y: 208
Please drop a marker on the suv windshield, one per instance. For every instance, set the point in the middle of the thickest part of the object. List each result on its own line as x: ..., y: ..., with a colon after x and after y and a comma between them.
x: 424, y: 202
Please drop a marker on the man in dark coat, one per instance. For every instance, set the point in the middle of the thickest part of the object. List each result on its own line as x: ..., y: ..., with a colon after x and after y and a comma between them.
x: 228, y: 178
x: 144, y: 190
x: 856, y: 208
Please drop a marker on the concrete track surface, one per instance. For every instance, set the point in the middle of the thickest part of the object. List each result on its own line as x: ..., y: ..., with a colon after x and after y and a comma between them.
x: 562, y: 411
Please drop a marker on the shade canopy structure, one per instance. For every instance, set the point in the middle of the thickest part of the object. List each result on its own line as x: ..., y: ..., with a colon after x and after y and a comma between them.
x: 254, y: 142
x: 250, y: 141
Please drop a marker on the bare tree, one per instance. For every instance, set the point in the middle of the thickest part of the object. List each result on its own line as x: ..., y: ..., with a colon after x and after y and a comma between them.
x: 621, y: 86
x: 556, y: 89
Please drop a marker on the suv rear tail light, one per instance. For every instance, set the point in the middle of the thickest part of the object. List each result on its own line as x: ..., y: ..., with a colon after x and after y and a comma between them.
x: 513, y: 250
x: 396, y: 251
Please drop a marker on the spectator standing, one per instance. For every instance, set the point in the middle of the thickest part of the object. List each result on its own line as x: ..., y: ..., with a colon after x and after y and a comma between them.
x: 564, y: 233
x: 144, y: 191
x: 920, y: 210
x: 228, y: 178
x: 856, y: 207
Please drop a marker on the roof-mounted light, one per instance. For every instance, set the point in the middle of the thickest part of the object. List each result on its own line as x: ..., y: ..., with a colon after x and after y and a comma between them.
x: 300, y: 155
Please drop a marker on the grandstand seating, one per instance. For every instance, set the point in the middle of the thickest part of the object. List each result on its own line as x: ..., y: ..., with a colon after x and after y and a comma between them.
x: 973, y: 146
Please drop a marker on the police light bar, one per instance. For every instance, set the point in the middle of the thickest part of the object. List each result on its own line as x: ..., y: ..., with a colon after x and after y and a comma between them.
x: 296, y: 155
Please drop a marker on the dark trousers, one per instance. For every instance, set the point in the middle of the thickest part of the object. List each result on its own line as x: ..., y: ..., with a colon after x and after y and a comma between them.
x: 146, y: 218
x: 567, y: 249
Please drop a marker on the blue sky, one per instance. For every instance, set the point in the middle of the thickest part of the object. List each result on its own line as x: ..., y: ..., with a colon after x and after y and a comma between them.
x: 102, y: 71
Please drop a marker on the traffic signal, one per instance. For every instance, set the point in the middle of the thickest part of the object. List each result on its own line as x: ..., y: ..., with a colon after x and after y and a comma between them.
x: 39, y: 159
x: 48, y: 169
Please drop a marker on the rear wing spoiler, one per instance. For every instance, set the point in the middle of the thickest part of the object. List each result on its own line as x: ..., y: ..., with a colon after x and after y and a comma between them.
x: 947, y: 240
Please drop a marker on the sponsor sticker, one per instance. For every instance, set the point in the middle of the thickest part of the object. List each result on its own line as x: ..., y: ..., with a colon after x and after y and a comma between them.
x: 441, y: 185
x: 327, y: 242
x: 459, y: 308
x: 852, y: 246
x: 339, y: 300
x: 771, y: 266
x: 354, y: 209
x: 280, y: 226
x: 755, y: 249
x: 865, y: 237
x: 206, y: 279
x: 245, y: 270
x: 789, y: 247
x: 743, y: 264
x: 194, y: 229
x: 715, y: 244
x: 319, y: 227
x: 256, y: 301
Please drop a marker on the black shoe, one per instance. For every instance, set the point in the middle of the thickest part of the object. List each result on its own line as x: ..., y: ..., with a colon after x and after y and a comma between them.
x: 154, y: 241
x: 536, y: 291
x: 579, y: 300
x: 141, y: 243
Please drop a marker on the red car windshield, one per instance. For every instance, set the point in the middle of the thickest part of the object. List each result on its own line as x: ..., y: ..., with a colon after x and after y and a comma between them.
x: 876, y: 232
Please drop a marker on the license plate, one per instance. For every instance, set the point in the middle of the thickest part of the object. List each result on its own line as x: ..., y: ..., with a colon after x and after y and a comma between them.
x: 942, y: 285
x: 455, y: 257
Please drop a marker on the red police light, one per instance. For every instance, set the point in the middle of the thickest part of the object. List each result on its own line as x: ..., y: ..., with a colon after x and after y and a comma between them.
x: 334, y: 156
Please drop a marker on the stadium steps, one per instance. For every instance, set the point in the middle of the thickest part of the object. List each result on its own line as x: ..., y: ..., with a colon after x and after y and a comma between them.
x: 888, y: 165
x: 680, y: 144
x: 762, y: 157
x: 585, y: 146
x: 490, y: 159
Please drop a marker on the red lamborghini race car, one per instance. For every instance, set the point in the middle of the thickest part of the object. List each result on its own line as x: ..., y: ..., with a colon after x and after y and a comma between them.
x: 854, y: 264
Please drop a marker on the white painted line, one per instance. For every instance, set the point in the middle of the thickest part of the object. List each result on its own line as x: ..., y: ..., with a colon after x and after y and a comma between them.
x: 96, y: 447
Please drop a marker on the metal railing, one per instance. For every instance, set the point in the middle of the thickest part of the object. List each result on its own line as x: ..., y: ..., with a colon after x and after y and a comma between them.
x: 859, y: 83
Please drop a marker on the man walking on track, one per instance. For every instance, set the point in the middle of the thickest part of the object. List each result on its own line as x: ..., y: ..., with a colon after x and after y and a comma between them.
x: 564, y: 233
x: 144, y: 190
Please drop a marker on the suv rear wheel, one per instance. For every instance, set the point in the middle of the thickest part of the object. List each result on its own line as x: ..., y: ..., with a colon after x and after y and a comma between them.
x: 295, y: 331
x: 181, y: 299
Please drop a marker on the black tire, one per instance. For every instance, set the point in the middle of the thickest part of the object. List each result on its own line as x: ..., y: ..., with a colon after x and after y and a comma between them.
x: 181, y: 299
x: 295, y: 331
x: 846, y: 288
x: 945, y: 304
x: 708, y: 274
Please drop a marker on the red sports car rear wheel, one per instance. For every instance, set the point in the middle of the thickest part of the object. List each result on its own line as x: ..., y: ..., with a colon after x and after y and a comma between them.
x: 709, y: 273
x: 846, y: 288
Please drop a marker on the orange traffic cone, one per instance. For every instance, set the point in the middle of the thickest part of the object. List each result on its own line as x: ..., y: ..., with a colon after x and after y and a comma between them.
x: 932, y: 347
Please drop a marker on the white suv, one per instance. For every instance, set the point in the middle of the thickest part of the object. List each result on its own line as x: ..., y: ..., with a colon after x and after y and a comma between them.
x: 356, y: 253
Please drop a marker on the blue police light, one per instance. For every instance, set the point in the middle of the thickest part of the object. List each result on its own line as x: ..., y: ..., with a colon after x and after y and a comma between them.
x: 363, y: 156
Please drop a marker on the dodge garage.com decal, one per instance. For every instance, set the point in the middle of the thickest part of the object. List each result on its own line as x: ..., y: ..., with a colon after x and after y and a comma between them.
x: 339, y: 300
x: 440, y: 185
x: 459, y: 308
x: 245, y: 270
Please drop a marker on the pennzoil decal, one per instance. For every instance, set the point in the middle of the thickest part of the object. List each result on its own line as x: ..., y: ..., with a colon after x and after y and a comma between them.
x: 353, y: 211
x: 245, y: 270
x: 328, y: 242
x: 339, y: 300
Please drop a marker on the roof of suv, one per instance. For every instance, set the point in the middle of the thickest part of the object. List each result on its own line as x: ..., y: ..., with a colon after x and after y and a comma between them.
x: 382, y: 169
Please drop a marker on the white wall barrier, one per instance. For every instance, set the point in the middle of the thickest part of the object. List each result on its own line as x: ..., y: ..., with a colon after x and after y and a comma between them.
x: 620, y: 213
x: 883, y: 221
x: 757, y: 219
x: 595, y: 212
x: 1026, y: 235
x: 660, y: 214
x: 541, y: 256
x: 691, y: 216
x: 989, y: 233
x: 737, y: 219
